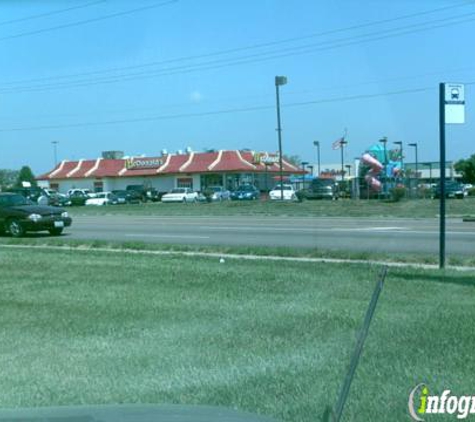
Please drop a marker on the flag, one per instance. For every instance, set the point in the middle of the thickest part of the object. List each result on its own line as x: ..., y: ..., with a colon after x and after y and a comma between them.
x: 338, y: 143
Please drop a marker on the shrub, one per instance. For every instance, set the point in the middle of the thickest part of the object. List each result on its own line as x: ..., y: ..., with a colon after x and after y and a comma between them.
x: 398, y: 193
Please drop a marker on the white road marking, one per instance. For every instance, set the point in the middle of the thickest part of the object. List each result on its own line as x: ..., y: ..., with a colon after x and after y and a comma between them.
x: 370, y: 229
x: 173, y: 236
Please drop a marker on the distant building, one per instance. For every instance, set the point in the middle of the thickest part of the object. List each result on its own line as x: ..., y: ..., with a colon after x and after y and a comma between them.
x: 185, y: 169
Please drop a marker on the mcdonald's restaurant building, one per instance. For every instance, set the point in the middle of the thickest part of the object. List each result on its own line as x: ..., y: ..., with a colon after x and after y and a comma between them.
x: 195, y: 170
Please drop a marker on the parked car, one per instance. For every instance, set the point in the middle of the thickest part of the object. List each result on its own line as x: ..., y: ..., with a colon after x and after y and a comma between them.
x: 289, y: 193
x: 320, y: 189
x: 53, y: 198
x: 86, y: 192
x: 245, y: 192
x: 143, y: 193
x: 19, y: 215
x: 103, y: 198
x: 217, y: 193
x: 452, y: 190
x: 125, y: 197
x: 32, y: 193
x: 78, y: 198
x: 180, y: 195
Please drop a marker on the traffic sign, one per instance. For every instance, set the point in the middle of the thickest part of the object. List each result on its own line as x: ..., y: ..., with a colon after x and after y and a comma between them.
x: 454, y: 103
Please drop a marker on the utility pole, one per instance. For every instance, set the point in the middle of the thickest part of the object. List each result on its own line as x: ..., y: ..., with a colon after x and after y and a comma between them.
x: 279, y: 81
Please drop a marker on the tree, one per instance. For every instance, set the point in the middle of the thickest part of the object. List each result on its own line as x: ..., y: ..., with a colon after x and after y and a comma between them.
x: 467, y: 169
x: 26, y: 175
x: 293, y: 159
x: 8, y: 178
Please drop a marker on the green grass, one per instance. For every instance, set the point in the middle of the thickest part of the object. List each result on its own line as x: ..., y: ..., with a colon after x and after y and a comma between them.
x: 342, y: 208
x: 289, y: 252
x: 94, y: 327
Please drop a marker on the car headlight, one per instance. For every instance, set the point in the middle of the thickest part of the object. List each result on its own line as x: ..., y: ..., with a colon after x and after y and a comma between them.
x: 35, y: 217
x: 64, y: 214
x: 249, y: 194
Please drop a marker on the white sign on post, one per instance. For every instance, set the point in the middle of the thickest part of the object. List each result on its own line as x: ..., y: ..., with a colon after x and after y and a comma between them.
x: 454, y: 100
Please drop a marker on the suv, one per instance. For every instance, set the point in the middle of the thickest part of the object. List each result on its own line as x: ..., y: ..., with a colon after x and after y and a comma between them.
x: 320, y: 189
x: 452, y: 190
x: 143, y: 194
x: 19, y: 215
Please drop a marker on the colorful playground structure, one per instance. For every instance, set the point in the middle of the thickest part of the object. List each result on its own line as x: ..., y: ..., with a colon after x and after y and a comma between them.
x: 380, y: 164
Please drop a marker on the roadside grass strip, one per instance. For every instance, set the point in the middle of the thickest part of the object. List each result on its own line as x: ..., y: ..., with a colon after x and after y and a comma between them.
x: 271, y: 337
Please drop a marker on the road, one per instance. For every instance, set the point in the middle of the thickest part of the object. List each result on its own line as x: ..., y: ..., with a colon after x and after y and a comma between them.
x: 348, y: 234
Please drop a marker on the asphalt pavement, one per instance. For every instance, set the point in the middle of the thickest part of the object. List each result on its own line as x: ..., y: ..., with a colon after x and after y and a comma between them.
x: 347, y: 234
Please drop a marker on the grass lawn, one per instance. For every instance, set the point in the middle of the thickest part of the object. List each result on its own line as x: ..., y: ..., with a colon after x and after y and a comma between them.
x: 423, y: 208
x: 95, y: 327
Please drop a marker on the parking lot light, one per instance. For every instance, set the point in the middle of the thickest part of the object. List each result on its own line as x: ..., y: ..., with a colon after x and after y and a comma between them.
x: 279, y: 81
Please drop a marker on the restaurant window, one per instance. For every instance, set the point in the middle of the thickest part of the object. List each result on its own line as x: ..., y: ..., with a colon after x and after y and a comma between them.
x: 98, y: 186
x: 184, y: 182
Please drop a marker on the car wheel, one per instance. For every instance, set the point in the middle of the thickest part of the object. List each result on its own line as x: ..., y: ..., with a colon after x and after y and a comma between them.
x: 55, y: 232
x: 15, y: 228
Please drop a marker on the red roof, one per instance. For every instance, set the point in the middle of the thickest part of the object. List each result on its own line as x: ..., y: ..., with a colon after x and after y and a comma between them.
x: 205, y: 162
x: 201, y: 162
x: 86, y: 165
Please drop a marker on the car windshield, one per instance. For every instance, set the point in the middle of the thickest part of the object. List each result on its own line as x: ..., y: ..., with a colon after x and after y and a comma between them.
x: 13, y: 200
x: 246, y: 188
x: 216, y: 188
x: 285, y: 187
x: 179, y: 190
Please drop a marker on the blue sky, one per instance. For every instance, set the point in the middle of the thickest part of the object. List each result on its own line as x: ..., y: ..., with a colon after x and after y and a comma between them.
x: 201, y: 74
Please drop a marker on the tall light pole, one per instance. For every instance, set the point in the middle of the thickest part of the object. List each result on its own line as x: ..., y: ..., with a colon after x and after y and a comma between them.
x: 342, y: 148
x: 303, y: 164
x: 311, y: 167
x: 414, y: 144
x: 317, y: 145
x: 384, y: 141
x: 55, y: 152
x: 279, y: 81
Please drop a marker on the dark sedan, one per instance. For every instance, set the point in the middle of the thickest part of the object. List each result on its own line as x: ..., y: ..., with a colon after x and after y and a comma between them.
x: 245, y: 192
x: 19, y: 215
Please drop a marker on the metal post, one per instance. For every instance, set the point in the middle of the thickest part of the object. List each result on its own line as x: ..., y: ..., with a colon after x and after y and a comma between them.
x: 342, y: 148
x: 317, y: 144
x: 334, y: 415
x: 55, y: 152
x: 417, y: 164
x: 442, y: 175
x: 304, y: 163
x: 384, y: 141
x: 280, y: 80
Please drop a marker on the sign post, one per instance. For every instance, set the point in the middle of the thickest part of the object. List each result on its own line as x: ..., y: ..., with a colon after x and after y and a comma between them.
x: 451, y: 111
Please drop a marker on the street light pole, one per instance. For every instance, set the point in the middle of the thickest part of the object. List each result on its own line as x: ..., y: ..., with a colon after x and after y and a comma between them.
x: 55, y: 152
x: 384, y: 141
x: 304, y: 163
x: 342, y: 148
x: 414, y: 144
x: 280, y: 80
x: 317, y: 144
